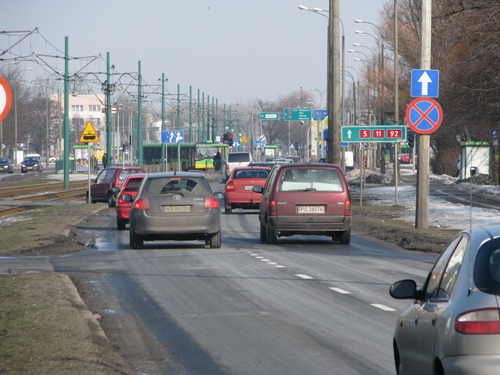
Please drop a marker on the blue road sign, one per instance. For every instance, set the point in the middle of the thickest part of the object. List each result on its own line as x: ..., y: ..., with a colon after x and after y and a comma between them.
x: 424, y: 83
x: 320, y: 114
x: 172, y: 136
x: 494, y: 133
x: 259, y: 144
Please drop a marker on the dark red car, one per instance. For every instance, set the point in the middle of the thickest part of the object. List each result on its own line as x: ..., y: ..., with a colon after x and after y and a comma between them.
x: 122, y: 207
x: 108, y: 184
x: 305, y: 199
x: 239, y: 186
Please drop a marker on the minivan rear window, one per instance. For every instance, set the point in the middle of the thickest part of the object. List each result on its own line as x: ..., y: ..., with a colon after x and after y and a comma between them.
x: 310, y: 179
x: 238, y: 157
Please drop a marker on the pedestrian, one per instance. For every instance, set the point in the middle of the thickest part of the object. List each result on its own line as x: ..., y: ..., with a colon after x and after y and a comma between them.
x: 104, y: 160
x: 217, y: 161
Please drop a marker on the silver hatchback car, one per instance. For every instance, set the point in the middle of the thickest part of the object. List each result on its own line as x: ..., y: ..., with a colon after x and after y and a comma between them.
x: 453, y: 324
x: 176, y: 206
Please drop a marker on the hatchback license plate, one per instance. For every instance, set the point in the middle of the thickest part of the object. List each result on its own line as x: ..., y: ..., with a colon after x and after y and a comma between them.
x: 247, y: 187
x: 311, y: 209
x: 176, y: 208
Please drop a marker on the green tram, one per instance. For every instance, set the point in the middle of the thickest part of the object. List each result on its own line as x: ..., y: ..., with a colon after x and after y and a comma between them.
x: 188, y: 155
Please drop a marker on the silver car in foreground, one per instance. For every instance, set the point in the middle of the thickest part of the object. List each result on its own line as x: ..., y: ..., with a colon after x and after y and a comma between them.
x: 176, y: 206
x: 453, y: 324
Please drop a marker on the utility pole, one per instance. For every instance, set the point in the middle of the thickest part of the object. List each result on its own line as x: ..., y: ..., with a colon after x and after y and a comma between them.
x: 422, y: 204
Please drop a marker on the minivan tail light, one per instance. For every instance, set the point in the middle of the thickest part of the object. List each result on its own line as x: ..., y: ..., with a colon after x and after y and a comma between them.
x: 230, y: 186
x: 347, y: 209
x: 211, y: 202
x: 272, y: 208
x: 141, y: 204
x: 479, y: 322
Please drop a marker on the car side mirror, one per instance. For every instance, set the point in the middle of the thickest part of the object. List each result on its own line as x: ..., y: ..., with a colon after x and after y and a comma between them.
x: 258, y: 189
x: 219, y: 195
x: 404, y: 289
x: 222, y: 181
x: 127, y: 198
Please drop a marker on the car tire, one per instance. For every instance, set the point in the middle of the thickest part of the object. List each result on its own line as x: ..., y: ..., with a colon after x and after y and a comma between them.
x: 216, y: 240
x: 136, y: 240
x: 271, y: 234
x: 120, y: 223
x: 228, y: 210
x: 263, y: 233
x: 345, y: 237
x: 111, y: 201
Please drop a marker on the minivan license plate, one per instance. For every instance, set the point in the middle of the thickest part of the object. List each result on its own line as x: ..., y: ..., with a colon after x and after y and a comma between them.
x: 311, y: 209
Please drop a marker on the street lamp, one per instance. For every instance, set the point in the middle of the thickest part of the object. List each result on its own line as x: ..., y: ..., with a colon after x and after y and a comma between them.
x: 333, y: 79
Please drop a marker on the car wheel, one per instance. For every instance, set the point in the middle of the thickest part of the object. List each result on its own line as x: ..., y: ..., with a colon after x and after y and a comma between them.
x: 120, y: 223
x: 263, y: 234
x: 397, y: 359
x: 228, y: 210
x: 215, y: 240
x: 271, y: 234
x: 111, y: 201
x: 136, y: 240
x: 345, y: 237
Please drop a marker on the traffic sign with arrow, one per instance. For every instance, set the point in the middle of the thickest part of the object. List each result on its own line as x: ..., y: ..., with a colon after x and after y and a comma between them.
x: 424, y: 83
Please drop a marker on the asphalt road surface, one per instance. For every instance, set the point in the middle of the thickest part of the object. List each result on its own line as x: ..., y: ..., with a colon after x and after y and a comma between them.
x: 303, y: 306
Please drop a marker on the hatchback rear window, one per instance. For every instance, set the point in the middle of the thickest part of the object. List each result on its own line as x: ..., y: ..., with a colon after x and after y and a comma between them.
x: 255, y: 173
x: 165, y: 185
x: 238, y: 157
x: 125, y: 172
x: 310, y: 179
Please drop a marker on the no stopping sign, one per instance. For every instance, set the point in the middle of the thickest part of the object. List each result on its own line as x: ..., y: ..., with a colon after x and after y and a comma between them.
x: 5, y: 98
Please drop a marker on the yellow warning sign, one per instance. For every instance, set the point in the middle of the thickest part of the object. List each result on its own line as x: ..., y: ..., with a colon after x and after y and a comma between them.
x: 89, y: 134
x: 244, y: 139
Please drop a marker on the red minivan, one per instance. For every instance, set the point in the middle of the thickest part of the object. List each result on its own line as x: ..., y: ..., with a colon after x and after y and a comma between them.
x: 305, y: 199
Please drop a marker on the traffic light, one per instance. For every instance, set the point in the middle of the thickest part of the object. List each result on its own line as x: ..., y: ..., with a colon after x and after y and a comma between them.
x: 224, y: 138
x: 410, y: 138
x: 230, y: 139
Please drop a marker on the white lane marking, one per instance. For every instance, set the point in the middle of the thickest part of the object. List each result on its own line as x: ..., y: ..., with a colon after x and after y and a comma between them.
x: 278, y: 266
x: 339, y: 290
x: 265, y: 260
x: 273, y: 263
x: 302, y: 276
x: 259, y: 257
x: 254, y: 255
x: 382, y: 307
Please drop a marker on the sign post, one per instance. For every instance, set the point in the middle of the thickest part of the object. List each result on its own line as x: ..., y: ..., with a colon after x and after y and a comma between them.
x: 88, y: 136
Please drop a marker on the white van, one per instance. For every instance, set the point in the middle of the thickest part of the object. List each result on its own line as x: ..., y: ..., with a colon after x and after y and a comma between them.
x: 237, y: 159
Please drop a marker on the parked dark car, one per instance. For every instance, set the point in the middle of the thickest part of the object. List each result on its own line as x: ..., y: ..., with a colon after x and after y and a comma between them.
x: 130, y: 186
x: 177, y: 206
x: 108, y: 183
x: 6, y: 165
x: 305, y: 199
x: 239, y: 193
x: 31, y: 163
x: 452, y: 325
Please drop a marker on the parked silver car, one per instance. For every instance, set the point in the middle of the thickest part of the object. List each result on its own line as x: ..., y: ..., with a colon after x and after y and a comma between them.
x: 453, y: 324
x: 176, y: 206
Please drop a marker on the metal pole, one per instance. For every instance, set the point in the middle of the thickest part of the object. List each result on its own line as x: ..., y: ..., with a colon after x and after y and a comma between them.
x: 422, y: 204
x: 396, y: 99
x: 139, y: 117
x: 66, y: 114
x: 109, y: 149
x: 163, y: 127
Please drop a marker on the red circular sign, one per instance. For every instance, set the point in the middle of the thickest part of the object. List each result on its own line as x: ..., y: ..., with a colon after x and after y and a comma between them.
x: 5, y: 98
x: 424, y: 115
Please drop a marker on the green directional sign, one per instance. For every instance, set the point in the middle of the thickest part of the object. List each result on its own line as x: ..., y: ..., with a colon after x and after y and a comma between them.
x: 298, y: 114
x: 379, y: 133
x: 265, y: 116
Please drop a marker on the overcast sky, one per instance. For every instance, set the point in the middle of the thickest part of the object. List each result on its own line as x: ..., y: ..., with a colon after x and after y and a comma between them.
x: 232, y: 50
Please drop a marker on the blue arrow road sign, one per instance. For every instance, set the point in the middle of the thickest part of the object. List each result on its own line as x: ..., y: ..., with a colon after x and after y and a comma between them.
x: 172, y: 136
x: 424, y: 83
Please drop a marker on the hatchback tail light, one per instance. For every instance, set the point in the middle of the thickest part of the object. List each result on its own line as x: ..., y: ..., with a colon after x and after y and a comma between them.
x: 141, y: 204
x: 272, y: 208
x: 211, y: 202
x: 230, y: 186
x: 479, y: 322
x: 347, y: 210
